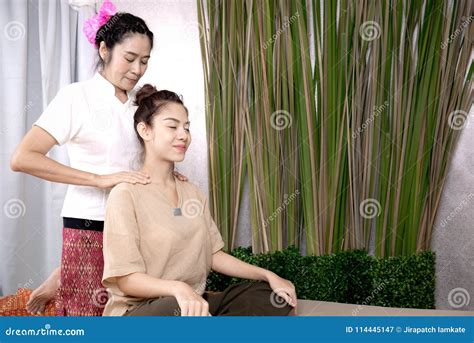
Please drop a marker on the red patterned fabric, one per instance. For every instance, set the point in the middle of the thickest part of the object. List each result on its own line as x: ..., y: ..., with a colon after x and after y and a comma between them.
x: 81, y: 292
x: 15, y: 305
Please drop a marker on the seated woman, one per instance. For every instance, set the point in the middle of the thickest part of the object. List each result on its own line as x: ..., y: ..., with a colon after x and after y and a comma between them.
x: 160, y: 241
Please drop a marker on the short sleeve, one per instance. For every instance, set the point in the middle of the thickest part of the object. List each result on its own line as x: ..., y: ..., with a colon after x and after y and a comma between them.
x: 122, y: 255
x: 59, y: 119
x: 216, y: 239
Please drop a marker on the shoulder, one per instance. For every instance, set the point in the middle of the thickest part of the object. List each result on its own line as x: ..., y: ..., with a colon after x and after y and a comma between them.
x: 71, y: 91
x: 192, y: 190
x: 122, y: 192
x: 75, y: 86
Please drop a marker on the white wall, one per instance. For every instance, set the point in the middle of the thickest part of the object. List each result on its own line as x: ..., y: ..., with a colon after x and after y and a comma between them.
x: 176, y: 65
x: 453, y: 237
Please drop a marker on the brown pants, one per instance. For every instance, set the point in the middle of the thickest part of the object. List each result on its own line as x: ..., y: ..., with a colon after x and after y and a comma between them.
x: 244, y: 299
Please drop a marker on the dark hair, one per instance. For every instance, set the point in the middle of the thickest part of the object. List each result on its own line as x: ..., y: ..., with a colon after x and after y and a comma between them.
x: 117, y: 28
x: 150, y: 101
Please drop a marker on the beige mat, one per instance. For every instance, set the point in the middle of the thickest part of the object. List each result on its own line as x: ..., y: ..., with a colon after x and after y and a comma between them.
x: 324, y: 308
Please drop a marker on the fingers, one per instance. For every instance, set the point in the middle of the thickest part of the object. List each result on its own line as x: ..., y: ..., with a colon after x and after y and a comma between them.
x: 289, y: 295
x: 194, y: 308
x: 285, y: 296
x: 135, y: 177
x: 141, y: 177
x: 180, y: 177
x: 199, y: 308
x: 184, y: 309
x: 33, y: 306
x: 294, y: 299
x: 292, y: 295
x: 205, y: 309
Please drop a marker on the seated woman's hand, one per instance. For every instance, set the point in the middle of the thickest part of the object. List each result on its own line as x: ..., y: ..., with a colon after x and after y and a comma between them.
x: 283, y: 288
x: 190, y: 303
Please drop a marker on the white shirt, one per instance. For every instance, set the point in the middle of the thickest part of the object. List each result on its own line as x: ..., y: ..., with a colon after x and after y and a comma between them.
x: 98, y: 132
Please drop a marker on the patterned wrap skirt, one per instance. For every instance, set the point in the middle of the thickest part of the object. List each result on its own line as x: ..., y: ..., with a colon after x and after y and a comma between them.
x: 81, y: 292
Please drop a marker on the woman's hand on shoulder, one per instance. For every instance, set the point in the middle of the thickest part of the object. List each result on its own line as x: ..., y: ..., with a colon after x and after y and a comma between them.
x: 190, y: 303
x: 180, y: 176
x: 111, y: 180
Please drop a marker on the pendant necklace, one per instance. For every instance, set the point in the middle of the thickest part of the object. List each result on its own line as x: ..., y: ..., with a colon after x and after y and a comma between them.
x: 176, y: 210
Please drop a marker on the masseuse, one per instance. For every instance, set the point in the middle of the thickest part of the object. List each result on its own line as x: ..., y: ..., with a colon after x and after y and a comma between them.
x: 94, y: 120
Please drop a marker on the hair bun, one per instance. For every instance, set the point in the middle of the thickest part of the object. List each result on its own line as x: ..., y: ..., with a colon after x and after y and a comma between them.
x: 145, y: 93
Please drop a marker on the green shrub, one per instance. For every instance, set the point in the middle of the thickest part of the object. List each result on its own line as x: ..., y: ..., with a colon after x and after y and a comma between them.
x: 348, y: 277
x: 405, y: 281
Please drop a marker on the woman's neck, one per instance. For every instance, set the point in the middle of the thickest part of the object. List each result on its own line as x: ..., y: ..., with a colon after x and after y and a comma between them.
x: 119, y: 93
x: 160, y: 172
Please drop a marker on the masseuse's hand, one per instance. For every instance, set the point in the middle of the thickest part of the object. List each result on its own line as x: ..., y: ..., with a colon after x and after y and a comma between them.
x: 111, y: 180
x: 180, y: 176
x: 190, y: 303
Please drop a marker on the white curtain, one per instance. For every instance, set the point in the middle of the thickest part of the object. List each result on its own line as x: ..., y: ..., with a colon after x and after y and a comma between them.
x: 46, y: 50
x: 42, y: 50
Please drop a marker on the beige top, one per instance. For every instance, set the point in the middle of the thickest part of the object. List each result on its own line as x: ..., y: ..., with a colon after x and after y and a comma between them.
x: 143, y: 234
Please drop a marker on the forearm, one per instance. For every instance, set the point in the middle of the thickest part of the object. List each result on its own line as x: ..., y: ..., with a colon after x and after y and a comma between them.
x: 141, y: 285
x: 39, y: 165
x: 231, y: 266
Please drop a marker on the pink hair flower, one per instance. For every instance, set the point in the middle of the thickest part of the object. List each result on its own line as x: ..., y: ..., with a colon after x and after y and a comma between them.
x: 93, y: 24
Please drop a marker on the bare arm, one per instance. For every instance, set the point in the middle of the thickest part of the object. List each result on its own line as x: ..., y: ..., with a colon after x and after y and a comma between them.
x: 30, y: 157
x: 145, y: 286
x: 142, y: 285
x: 229, y: 265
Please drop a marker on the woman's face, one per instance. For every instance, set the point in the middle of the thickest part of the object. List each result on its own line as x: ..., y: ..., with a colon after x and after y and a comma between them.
x: 128, y: 61
x: 169, y: 138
